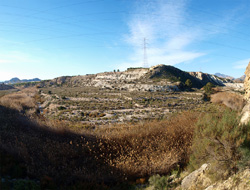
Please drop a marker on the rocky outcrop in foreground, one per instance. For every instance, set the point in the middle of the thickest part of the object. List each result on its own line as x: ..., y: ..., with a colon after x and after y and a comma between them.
x: 199, y: 179
x: 240, y: 181
x: 247, y: 82
x: 246, y: 110
x: 196, y: 179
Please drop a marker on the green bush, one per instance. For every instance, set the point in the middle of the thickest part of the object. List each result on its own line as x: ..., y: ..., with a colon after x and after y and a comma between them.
x: 158, y: 182
x: 23, y: 184
x: 245, y: 152
x: 62, y: 108
x: 209, y: 88
x: 217, y: 140
x: 188, y: 83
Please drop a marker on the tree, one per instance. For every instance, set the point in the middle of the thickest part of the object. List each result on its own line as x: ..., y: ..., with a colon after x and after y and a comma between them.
x: 188, y: 83
x: 208, y: 88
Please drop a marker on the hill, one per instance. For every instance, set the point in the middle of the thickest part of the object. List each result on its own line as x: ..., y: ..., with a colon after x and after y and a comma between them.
x: 156, y: 78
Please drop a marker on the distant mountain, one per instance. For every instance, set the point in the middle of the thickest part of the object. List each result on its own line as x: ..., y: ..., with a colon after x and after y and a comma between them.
x: 224, y: 76
x: 17, y: 80
x: 241, y: 79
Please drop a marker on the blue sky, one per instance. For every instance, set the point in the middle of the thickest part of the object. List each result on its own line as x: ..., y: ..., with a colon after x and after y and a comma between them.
x: 51, y: 38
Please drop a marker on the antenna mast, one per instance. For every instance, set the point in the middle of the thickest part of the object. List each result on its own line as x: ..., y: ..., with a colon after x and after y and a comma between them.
x: 145, y: 58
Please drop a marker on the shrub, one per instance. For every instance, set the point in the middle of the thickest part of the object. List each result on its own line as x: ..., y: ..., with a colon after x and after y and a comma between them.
x: 23, y: 184
x: 208, y: 88
x: 158, y: 182
x: 188, y: 83
x: 217, y: 140
x: 62, y: 108
x: 245, y: 152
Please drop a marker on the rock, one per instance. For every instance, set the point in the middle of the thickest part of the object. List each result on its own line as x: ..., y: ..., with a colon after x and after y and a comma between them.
x: 247, y: 82
x: 240, y: 181
x: 245, y: 114
x: 235, y: 86
x: 6, y: 87
x: 197, y: 179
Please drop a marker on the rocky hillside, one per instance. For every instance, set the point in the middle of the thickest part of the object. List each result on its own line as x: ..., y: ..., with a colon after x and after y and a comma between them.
x: 5, y: 87
x: 156, y: 78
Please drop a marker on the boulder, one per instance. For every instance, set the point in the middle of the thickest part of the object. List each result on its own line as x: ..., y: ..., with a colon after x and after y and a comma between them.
x: 197, y: 179
x: 245, y: 114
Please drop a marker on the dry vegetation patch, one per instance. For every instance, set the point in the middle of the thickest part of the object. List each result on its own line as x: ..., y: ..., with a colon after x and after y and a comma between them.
x: 20, y: 101
x: 127, y: 152
x: 229, y: 99
x: 153, y: 147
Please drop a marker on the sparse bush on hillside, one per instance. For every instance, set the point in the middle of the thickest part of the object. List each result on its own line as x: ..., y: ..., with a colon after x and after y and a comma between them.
x: 231, y: 100
x: 209, y: 88
x: 62, y: 108
x: 217, y: 140
x: 188, y: 83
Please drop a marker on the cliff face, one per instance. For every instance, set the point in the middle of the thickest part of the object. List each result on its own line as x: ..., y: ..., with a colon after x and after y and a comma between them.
x: 247, y: 82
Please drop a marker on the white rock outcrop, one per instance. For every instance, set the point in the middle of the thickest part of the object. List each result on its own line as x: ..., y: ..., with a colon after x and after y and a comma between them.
x: 246, y: 110
x: 240, y: 181
x: 197, y: 179
x: 247, y: 82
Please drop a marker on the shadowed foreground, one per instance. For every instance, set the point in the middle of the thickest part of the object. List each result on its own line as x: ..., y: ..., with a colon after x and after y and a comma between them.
x: 108, y: 156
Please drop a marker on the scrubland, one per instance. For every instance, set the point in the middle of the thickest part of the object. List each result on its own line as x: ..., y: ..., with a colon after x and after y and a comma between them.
x: 43, y: 152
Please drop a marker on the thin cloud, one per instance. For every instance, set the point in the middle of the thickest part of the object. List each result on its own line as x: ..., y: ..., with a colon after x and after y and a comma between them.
x: 170, y: 31
x: 242, y: 64
x: 16, y: 57
x: 161, y: 23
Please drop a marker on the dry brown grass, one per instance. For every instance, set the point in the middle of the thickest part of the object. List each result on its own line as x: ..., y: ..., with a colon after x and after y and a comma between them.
x: 20, y: 101
x: 229, y: 99
x: 110, y: 155
x: 153, y: 147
